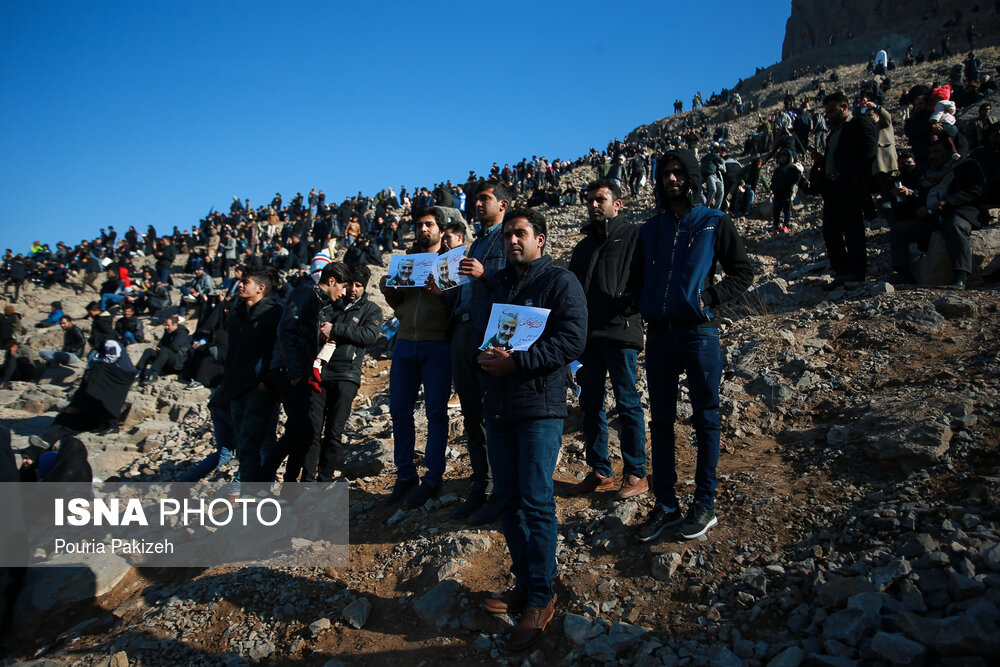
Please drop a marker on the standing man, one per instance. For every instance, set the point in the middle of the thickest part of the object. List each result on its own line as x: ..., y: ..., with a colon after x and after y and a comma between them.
x: 486, y: 258
x: 673, y: 272
x: 842, y: 175
x: 421, y: 357
x: 354, y: 325
x: 300, y: 337
x: 525, y: 403
x: 602, y: 261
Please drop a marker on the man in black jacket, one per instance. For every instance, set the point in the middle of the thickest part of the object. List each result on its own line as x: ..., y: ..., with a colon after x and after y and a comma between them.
x: 354, y: 324
x: 953, y: 196
x: 295, y: 375
x: 129, y: 327
x: 74, y: 343
x: 251, y: 332
x: 100, y: 328
x: 169, y: 355
x: 524, y: 400
x: 842, y: 175
x: 602, y: 261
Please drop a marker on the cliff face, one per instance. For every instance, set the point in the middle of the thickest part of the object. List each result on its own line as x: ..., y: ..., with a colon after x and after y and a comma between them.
x: 923, y: 22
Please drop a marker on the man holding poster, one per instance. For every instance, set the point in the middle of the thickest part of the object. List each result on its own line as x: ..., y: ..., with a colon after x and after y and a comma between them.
x: 524, y: 402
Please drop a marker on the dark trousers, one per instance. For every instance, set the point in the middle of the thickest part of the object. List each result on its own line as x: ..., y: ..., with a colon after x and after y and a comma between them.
x: 695, y: 352
x: 600, y: 360
x: 782, y: 209
x: 321, y: 457
x: 464, y: 342
x: 303, y: 407
x: 255, y: 418
x: 957, y: 233
x: 523, y: 457
x: 158, y: 361
x: 416, y: 363
x: 844, y: 229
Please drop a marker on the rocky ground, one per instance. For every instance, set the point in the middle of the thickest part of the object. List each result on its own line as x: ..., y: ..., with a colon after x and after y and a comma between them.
x: 858, y: 507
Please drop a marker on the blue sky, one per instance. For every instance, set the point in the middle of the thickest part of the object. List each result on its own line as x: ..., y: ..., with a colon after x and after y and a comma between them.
x: 137, y: 113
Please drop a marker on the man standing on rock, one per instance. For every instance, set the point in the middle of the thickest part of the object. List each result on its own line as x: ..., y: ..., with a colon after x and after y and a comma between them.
x: 421, y: 357
x: 524, y: 400
x: 602, y: 261
x: 673, y: 273
x: 842, y: 174
x: 485, y: 259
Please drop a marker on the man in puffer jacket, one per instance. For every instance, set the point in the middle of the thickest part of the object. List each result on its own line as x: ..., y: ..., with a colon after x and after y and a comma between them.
x: 673, y: 272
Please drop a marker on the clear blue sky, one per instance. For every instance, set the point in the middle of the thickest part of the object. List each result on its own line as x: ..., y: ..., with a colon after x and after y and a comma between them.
x: 152, y: 113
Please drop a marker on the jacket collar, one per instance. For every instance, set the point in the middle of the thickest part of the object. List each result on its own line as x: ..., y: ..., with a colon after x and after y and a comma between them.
x: 613, y: 225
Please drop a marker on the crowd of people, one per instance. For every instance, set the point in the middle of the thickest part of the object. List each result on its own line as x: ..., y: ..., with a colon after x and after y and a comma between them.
x: 284, y: 321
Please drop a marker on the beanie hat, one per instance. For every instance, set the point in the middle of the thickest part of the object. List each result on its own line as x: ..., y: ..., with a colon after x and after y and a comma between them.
x: 942, y: 93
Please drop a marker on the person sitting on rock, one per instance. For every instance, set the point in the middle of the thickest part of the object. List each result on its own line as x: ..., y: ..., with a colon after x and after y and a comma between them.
x: 169, y: 355
x: 74, y: 344
x: 128, y: 328
x: 100, y: 400
x: 953, y: 193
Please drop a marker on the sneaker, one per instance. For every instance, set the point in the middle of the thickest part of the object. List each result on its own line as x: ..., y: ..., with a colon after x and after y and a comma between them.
x: 958, y: 284
x: 400, y: 490
x: 422, y: 494
x: 784, y: 230
x: 699, y: 519
x: 488, y: 513
x: 592, y: 482
x: 658, y: 520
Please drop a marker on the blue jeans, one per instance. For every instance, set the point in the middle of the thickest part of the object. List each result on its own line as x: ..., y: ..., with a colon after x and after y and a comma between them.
x: 523, y: 458
x: 416, y: 363
x: 714, y: 191
x: 225, y: 446
x: 600, y: 360
x: 697, y: 352
x: 110, y: 298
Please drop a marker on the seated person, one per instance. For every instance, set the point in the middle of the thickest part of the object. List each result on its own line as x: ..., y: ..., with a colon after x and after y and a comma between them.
x: 73, y: 347
x: 99, y: 401
x: 128, y: 328
x: 100, y: 329
x: 53, y: 317
x: 952, y: 200
x: 169, y: 355
x: 200, y: 286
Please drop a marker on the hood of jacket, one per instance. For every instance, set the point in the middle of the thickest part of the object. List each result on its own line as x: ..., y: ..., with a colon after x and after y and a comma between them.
x: 691, y: 166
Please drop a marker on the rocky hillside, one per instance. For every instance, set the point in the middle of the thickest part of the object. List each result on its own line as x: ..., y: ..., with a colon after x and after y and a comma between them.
x: 859, y: 504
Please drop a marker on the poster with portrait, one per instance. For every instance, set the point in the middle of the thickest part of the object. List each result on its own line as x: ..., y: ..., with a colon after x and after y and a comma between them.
x: 446, y: 269
x: 514, y: 327
x: 410, y: 270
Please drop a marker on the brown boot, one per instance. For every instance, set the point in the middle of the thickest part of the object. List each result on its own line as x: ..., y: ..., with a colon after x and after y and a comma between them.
x: 531, y: 625
x: 592, y: 482
x: 633, y: 486
x: 511, y: 601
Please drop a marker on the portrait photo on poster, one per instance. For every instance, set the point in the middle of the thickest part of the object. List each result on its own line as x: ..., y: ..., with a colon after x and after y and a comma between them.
x: 410, y: 270
x: 446, y: 269
x: 514, y: 327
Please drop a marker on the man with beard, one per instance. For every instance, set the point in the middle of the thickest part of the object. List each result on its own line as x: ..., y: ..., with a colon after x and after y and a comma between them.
x: 675, y: 263
x: 421, y: 357
x: 953, y: 196
x: 602, y: 262
x: 506, y: 328
x: 444, y: 275
x: 524, y: 399
x: 403, y: 275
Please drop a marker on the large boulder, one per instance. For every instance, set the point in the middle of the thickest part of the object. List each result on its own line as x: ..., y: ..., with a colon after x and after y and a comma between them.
x: 934, y: 268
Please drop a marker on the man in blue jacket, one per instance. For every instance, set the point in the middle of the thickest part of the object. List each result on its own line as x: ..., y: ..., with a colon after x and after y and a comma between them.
x: 524, y: 403
x: 675, y: 262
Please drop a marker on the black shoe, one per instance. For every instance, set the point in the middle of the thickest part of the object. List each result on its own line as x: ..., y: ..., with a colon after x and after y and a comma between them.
x: 658, y: 520
x: 400, y: 490
x: 839, y: 281
x: 475, y: 500
x: 958, y: 284
x: 699, y: 519
x: 901, y: 278
x: 422, y: 494
x: 488, y: 513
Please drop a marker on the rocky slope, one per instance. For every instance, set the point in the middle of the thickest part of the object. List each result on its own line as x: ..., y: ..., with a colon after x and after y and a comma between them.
x: 859, y: 506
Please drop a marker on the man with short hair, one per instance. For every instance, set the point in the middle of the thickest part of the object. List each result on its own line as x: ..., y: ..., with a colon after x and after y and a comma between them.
x: 524, y: 397
x: 421, y: 357
x: 128, y: 328
x: 295, y: 376
x: 486, y: 257
x: 673, y: 276
x: 354, y: 325
x: 74, y: 343
x: 602, y: 262
x: 169, y: 354
x: 842, y: 174
x: 454, y: 234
